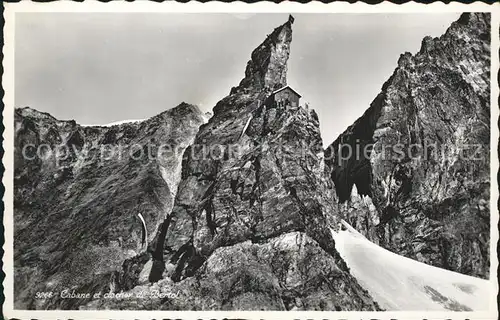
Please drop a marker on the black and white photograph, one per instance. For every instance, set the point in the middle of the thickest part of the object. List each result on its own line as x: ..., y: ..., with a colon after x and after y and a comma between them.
x: 252, y: 161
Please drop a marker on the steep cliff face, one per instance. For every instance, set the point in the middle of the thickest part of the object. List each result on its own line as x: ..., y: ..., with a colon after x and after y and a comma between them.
x: 78, y: 195
x: 422, y: 186
x: 250, y: 227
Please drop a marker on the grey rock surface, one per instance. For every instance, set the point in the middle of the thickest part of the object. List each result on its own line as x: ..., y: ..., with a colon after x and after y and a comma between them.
x: 426, y: 179
x: 235, y: 205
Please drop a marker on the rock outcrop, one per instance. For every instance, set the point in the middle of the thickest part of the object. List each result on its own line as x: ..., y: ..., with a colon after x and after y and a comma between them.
x: 251, y: 225
x: 239, y: 213
x: 423, y: 184
x: 80, y: 194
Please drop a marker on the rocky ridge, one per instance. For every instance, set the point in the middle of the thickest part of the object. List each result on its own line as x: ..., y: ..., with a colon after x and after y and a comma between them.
x: 241, y: 216
x: 76, y: 203
x: 432, y: 204
x: 250, y: 227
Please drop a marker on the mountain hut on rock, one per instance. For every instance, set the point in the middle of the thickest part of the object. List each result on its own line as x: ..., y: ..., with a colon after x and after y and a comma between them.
x: 285, y: 97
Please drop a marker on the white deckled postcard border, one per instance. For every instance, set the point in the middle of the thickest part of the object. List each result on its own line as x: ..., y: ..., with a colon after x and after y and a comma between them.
x: 145, y: 6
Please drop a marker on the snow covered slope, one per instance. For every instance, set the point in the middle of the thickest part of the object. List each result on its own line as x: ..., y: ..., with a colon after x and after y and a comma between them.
x: 399, y: 283
x: 116, y: 123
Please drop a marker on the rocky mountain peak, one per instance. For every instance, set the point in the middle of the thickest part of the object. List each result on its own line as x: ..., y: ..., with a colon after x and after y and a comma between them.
x: 243, y: 212
x: 122, y: 170
x: 475, y: 20
x: 268, y: 65
x: 182, y: 109
x: 428, y: 195
x: 187, y: 106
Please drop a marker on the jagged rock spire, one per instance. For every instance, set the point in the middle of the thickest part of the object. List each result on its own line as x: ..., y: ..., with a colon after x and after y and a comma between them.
x: 256, y: 196
x: 268, y: 65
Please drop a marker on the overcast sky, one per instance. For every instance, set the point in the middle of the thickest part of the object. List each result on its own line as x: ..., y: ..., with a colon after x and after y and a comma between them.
x: 98, y: 68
